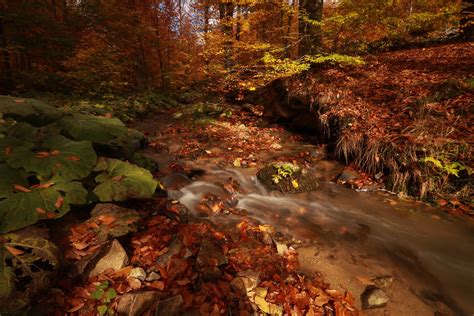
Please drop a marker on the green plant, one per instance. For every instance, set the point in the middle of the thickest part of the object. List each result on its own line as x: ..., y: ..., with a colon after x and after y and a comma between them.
x: 450, y: 168
x: 284, y: 171
x: 105, y: 295
x: 48, y: 162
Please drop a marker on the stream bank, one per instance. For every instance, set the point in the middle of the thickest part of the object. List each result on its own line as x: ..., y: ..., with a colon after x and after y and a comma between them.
x: 353, y: 238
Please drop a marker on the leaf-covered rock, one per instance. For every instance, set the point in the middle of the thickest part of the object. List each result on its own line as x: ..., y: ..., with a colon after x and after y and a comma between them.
x: 22, y: 205
x: 35, y: 112
x: 56, y: 156
x: 119, y: 181
x: 100, y: 130
x: 28, y: 263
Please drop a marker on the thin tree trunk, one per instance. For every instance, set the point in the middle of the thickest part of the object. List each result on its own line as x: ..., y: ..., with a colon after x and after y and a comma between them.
x: 310, y: 34
x: 7, y: 80
x: 226, y: 12
x: 467, y: 20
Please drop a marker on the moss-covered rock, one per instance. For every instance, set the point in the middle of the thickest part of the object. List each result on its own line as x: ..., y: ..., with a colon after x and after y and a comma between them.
x: 287, y: 178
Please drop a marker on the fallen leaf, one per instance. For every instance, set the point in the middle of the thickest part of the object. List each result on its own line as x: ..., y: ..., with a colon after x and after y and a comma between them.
x: 59, y: 202
x: 73, y: 158
x: 21, y: 188
x: 14, y: 251
x: 42, y: 154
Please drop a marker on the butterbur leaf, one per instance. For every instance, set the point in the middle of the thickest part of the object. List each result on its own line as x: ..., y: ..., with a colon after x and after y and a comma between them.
x: 21, y: 205
x: 120, y: 181
x: 100, y: 130
x: 45, y: 164
x: 102, y: 309
x: 97, y: 294
x: 35, y: 112
x: 27, y: 270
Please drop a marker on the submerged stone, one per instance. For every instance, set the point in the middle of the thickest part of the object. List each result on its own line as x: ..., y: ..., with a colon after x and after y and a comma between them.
x: 374, y: 298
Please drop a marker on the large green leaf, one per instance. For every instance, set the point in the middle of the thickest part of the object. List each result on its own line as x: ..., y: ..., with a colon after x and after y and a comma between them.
x: 96, y: 129
x: 28, y: 263
x: 35, y: 112
x: 120, y: 181
x: 22, y: 205
x: 57, y: 156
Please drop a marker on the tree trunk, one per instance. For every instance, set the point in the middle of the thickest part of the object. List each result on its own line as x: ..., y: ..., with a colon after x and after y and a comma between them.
x: 6, y: 79
x: 310, y: 34
x: 467, y: 20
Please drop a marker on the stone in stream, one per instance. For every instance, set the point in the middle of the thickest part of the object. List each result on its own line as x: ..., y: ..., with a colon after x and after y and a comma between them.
x: 138, y: 273
x: 374, y: 298
x: 114, y: 258
x: 174, y: 249
x: 137, y: 303
x: 287, y: 177
x: 210, y: 255
x: 170, y: 307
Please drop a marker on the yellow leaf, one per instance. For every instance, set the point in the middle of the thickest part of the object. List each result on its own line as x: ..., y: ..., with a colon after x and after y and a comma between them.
x: 295, y: 183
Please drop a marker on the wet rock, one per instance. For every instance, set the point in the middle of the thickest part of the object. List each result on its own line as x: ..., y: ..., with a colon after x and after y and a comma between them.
x: 175, y: 181
x: 174, y: 249
x: 374, y: 298
x: 170, y: 307
x: 348, y: 175
x: 210, y: 255
x: 287, y: 178
x: 153, y: 276
x: 137, y: 303
x: 210, y: 274
x: 245, y: 282
x: 138, y: 273
x: 114, y: 257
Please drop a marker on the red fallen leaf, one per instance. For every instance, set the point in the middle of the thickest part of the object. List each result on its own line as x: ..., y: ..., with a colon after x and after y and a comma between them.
x: 159, y: 285
x: 59, y: 202
x: 40, y: 210
x: 55, y: 152
x: 19, y: 101
x: 73, y: 158
x: 21, y: 188
x: 42, y: 154
x: 76, y: 308
x: 14, y: 251
x: 50, y: 215
x: 8, y: 151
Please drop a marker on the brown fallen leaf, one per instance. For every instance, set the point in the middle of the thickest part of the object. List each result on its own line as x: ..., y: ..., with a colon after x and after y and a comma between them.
x: 19, y: 101
x: 55, y: 152
x: 45, y: 185
x: 76, y: 308
x: 159, y: 285
x: 8, y: 151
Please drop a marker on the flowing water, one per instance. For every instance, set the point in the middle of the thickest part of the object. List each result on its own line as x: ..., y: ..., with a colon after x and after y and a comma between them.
x: 431, y: 253
x: 346, y: 235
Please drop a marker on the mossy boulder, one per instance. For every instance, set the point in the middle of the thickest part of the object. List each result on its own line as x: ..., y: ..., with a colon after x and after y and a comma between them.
x: 287, y: 178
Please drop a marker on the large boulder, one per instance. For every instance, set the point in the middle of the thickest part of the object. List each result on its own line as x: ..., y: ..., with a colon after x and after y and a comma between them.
x: 287, y: 178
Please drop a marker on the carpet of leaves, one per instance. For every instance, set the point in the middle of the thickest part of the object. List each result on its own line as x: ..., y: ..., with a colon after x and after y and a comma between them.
x: 184, y: 271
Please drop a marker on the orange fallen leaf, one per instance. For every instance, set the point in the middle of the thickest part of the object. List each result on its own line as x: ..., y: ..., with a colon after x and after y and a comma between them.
x: 55, y: 152
x: 8, y: 151
x: 14, y: 251
x: 159, y: 285
x: 117, y: 178
x: 59, y: 202
x: 21, y: 188
x: 73, y: 158
x: 50, y: 215
x: 40, y: 210
x: 19, y: 101
x: 45, y: 185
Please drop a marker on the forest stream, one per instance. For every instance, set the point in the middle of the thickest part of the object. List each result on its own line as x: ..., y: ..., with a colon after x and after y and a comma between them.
x: 422, y: 255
